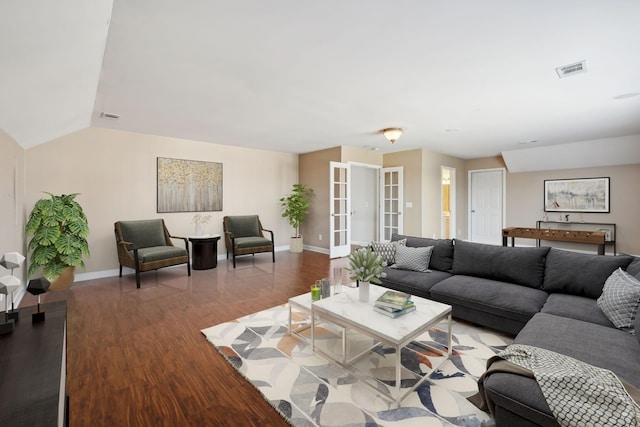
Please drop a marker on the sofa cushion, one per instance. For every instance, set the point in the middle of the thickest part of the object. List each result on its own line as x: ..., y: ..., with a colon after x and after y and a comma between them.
x: 634, y: 267
x: 579, y: 274
x: 413, y: 282
x: 387, y: 250
x: 442, y: 255
x: 499, y: 298
x: 597, y: 345
x: 522, y: 266
x: 576, y: 307
x: 620, y: 299
x: 144, y: 233
x: 414, y: 259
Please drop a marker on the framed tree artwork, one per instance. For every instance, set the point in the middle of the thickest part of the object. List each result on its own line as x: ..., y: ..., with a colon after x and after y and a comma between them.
x: 189, y: 185
x: 577, y: 195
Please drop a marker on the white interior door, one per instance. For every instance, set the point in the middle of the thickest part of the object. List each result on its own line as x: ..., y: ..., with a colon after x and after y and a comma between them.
x: 391, y: 190
x: 486, y: 202
x: 340, y: 211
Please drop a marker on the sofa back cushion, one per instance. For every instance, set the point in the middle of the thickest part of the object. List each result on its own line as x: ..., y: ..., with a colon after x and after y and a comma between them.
x: 580, y: 274
x: 522, y: 266
x: 442, y: 254
x: 634, y: 267
x: 143, y: 233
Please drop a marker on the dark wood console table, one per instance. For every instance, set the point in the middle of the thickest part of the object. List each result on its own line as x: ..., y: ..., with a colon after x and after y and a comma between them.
x: 574, y: 236
x: 608, y: 228
x: 33, y: 366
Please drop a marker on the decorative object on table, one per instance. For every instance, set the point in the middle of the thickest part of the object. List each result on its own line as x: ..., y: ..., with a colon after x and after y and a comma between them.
x: 59, y: 228
x: 38, y: 287
x: 10, y: 284
x: 12, y: 260
x: 199, y: 221
x: 393, y: 299
x: 6, y: 325
x: 295, y: 207
x: 326, y: 288
x: 577, y: 195
x: 189, y: 186
x: 366, y: 267
x: 337, y: 280
x: 394, y: 304
x: 392, y: 312
x: 316, y: 291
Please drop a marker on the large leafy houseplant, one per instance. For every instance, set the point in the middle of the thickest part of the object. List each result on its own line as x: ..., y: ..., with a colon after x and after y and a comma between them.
x: 296, y: 205
x: 59, y: 228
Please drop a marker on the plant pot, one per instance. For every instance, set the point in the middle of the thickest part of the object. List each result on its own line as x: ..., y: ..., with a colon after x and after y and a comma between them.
x: 295, y: 246
x: 63, y: 281
x: 363, y: 291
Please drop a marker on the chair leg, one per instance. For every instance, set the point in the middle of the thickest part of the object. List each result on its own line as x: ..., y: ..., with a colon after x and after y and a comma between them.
x: 188, y: 268
x: 120, y: 270
x: 233, y: 255
x: 273, y: 254
x: 138, y: 278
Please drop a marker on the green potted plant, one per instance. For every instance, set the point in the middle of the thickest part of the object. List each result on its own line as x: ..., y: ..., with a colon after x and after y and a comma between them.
x: 295, y: 207
x: 59, y: 228
x: 366, y: 266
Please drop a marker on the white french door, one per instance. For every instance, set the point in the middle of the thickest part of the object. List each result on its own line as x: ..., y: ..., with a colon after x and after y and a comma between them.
x: 340, y: 211
x: 391, y: 190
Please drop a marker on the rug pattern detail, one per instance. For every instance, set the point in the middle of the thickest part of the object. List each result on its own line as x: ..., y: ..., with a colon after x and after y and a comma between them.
x: 308, y: 390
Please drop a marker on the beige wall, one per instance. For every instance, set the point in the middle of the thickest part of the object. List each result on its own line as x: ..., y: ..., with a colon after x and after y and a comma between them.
x: 115, y: 172
x: 12, y: 214
x: 412, y: 174
x: 524, y: 200
x: 314, y: 172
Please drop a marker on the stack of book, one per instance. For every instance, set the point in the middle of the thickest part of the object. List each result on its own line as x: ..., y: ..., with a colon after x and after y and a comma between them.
x: 394, y: 304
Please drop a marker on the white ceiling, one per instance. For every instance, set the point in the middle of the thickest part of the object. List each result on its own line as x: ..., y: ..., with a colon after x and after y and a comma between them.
x: 466, y: 78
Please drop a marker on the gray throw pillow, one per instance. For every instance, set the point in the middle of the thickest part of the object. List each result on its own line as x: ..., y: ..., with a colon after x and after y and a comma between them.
x: 620, y: 300
x: 387, y: 250
x: 415, y: 259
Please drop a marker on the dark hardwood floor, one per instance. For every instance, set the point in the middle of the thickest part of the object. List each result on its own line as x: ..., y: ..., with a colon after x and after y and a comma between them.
x: 136, y: 357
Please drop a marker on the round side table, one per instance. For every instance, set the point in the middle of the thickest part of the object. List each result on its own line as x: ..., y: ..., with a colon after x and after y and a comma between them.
x: 204, y: 253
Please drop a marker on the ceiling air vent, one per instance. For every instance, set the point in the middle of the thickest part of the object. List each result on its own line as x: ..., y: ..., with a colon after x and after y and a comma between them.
x: 110, y: 116
x: 571, y: 69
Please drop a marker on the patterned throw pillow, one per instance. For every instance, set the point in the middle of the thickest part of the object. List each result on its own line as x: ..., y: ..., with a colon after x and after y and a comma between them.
x: 620, y: 299
x: 387, y: 250
x: 415, y: 259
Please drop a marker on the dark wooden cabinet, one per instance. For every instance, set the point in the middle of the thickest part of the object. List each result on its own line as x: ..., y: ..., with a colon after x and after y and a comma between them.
x: 33, y: 365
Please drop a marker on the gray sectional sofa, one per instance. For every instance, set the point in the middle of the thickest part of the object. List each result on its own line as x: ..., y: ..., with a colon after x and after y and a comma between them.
x: 545, y: 297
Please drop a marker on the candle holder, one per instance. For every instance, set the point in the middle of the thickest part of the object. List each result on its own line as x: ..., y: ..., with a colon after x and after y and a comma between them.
x: 37, y: 287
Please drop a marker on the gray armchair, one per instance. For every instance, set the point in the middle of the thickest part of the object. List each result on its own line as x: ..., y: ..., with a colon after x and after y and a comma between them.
x: 146, y: 245
x: 244, y: 235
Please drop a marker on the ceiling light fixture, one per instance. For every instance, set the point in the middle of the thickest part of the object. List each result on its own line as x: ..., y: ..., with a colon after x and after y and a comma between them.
x: 392, y: 134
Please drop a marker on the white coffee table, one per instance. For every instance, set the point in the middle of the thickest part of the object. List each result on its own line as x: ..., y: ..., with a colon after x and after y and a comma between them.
x: 348, y: 313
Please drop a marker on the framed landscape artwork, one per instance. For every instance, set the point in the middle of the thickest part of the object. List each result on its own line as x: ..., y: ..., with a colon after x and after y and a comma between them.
x: 189, y: 186
x: 577, y: 195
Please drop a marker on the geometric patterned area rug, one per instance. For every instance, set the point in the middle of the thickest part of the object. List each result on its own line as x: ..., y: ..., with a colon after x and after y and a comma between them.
x: 308, y: 390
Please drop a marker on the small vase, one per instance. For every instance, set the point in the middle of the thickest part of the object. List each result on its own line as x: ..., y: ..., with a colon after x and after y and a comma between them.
x: 198, y: 229
x: 363, y: 291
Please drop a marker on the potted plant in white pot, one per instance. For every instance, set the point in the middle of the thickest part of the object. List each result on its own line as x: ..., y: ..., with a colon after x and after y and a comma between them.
x: 295, y: 207
x: 59, y: 228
